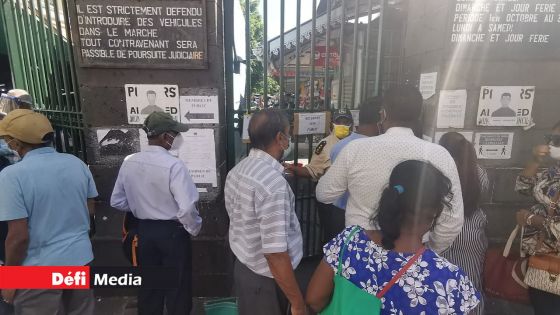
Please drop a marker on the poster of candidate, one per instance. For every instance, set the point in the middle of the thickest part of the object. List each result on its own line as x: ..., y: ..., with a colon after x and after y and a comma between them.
x: 144, y: 99
x: 505, y: 105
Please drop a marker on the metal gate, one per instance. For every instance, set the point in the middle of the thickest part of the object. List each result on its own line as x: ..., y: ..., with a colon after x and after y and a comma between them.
x: 42, y: 62
x: 346, y: 52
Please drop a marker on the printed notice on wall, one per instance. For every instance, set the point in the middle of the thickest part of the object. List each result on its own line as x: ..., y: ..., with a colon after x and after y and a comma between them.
x: 147, y: 34
x: 144, y: 99
x: 451, y: 109
x: 199, y: 109
x: 245, y: 133
x: 505, y: 105
x: 311, y: 123
x: 493, y: 145
x: 428, y: 83
x: 199, y: 153
x: 509, y: 23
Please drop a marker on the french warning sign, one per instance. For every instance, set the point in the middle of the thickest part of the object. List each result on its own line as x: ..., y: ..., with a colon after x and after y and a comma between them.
x: 493, y: 145
x: 144, y: 99
x: 505, y: 105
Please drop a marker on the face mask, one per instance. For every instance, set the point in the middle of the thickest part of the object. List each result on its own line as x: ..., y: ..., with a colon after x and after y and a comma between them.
x: 7, y: 152
x: 288, y: 150
x: 554, y: 152
x: 341, y: 131
x: 176, y: 145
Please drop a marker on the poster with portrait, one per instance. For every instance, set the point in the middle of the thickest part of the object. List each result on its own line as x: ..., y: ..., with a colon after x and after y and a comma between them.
x: 505, y: 105
x: 144, y: 99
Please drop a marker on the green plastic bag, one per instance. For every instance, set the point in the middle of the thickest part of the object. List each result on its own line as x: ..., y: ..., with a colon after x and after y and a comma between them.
x: 225, y: 306
x: 347, y: 298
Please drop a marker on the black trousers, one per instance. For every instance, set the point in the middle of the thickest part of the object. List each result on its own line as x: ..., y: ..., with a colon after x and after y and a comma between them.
x: 165, y: 244
x: 544, y: 303
x: 332, y: 220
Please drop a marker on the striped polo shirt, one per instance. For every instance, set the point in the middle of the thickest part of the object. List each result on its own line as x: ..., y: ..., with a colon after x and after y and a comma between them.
x: 261, y: 209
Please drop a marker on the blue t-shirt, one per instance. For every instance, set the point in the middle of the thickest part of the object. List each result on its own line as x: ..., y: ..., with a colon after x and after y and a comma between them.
x: 432, y: 285
x: 50, y: 189
x: 336, y: 149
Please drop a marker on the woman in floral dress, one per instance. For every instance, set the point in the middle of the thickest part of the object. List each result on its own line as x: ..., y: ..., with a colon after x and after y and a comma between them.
x: 409, y: 207
x: 542, y: 221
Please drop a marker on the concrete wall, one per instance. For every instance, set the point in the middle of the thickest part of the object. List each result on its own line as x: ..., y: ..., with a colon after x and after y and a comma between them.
x: 103, y: 99
x: 467, y: 66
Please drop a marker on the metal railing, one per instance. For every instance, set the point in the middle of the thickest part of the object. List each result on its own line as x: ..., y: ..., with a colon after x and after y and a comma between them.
x: 348, y: 38
x: 42, y: 62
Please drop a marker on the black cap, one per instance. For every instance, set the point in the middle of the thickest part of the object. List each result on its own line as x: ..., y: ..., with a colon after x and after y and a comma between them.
x: 158, y: 122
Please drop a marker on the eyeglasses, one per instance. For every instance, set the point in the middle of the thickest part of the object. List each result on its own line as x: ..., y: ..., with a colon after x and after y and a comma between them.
x: 553, y: 140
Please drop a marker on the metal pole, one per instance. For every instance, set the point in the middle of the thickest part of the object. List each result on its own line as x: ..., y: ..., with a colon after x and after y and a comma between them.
x: 326, y: 84
x: 368, y: 48
x: 228, y: 65
x: 265, y: 52
x: 313, y: 40
x: 298, y: 61
x: 378, y: 83
x: 341, y: 55
x: 248, y: 54
x: 282, y: 83
x: 355, y: 53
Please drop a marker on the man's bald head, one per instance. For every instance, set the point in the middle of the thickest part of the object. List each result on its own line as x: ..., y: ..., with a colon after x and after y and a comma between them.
x: 265, y: 126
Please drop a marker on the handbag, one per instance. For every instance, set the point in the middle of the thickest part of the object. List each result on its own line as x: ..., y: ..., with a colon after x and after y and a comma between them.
x: 348, y: 299
x: 501, y: 273
x: 225, y: 306
x: 544, y: 273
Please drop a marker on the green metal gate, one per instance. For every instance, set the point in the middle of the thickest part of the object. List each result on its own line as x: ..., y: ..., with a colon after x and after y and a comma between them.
x: 355, y: 33
x: 41, y: 58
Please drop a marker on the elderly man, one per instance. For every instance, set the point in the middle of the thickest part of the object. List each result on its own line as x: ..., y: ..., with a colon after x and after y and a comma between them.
x: 264, y: 232
x: 45, y: 199
x: 159, y: 191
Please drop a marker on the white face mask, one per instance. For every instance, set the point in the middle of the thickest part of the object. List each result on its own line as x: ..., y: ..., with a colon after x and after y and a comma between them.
x: 176, y: 145
x: 554, y: 152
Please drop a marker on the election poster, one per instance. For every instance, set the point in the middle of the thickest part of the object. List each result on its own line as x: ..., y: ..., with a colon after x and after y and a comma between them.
x: 493, y: 145
x: 505, y: 105
x: 144, y: 99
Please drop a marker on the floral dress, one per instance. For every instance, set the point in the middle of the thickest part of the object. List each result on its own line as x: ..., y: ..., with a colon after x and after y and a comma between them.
x: 431, y: 286
x: 545, y: 188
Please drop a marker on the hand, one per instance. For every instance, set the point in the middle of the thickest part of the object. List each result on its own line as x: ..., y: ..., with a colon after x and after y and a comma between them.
x: 522, y: 216
x: 540, y: 152
x: 289, y: 169
x: 301, y: 310
x: 8, y: 295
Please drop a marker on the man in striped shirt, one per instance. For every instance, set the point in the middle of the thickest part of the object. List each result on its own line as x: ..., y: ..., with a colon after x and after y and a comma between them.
x: 264, y: 232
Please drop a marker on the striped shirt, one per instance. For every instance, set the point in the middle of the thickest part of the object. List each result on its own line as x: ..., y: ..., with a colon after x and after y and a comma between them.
x: 261, y: 209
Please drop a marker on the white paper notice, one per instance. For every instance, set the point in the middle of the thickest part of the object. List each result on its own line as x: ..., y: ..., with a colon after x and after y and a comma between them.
x: 467, y: 134
x: 355, y: 117
x: 199, y: 109
x: 428, y: 82
x: 505, y: 105
x: 144, y: 99
x: 451, y: 108
x: 245, y: 134
x: 312, y: 123
x: 199, y: 153
x: 493, y: 145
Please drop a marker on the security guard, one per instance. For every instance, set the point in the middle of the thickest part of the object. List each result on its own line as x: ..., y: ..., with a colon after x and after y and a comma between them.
x: 329, y: 215
x: 320, y: 160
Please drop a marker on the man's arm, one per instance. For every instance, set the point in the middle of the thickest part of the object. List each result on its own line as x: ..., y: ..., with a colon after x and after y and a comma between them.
x: 186, y: 195
x: 17, y: 242
x: 451, y: 220
x: 335, y: 182
x: 280, y: 266
x: 118, y: 197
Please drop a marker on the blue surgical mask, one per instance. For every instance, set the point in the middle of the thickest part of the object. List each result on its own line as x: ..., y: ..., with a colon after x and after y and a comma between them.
x: 289, y: 149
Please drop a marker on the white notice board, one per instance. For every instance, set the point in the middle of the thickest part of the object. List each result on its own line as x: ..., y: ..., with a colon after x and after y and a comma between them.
x: 428, y: 83
x: 144, y: 99
x: 493, y: 145
x: 199, y: 109
x: 505, y: 105
x: 311, y: 123
x: 451, y: 108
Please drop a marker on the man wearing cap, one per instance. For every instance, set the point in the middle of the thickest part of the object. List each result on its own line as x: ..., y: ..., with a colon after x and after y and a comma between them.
x: 47, y: 199
x: 159, y: 191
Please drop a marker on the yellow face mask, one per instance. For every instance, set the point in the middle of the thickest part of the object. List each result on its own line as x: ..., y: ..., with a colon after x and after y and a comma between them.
x: 341, y: 131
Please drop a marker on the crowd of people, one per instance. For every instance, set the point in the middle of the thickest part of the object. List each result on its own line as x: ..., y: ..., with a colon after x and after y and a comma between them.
x: 402, y: 218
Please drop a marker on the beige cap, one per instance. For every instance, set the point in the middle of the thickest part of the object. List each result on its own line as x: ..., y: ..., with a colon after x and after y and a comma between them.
x: 25, y: 125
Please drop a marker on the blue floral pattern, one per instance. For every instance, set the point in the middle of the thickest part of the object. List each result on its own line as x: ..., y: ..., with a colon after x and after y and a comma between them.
x: 432, y: 285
